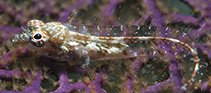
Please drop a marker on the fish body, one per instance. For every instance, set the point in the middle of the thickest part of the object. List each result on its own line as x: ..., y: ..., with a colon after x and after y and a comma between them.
x: 64, y: 41
x: 57, y: 41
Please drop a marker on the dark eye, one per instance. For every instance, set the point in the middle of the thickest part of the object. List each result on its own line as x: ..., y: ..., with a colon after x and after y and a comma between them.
x: 38, y: 36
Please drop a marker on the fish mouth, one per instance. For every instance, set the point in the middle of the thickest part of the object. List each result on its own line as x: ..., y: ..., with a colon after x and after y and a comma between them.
x: 22, y: 38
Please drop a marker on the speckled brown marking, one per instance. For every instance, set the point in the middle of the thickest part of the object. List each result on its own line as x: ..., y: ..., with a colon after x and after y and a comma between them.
x: 57, y: 41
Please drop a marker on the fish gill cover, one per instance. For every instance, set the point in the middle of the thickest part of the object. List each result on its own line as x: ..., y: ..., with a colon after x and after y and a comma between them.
x: 148, y: 65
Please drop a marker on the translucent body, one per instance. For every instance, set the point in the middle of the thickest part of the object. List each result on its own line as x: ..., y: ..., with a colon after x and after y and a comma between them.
x: 64, y: 41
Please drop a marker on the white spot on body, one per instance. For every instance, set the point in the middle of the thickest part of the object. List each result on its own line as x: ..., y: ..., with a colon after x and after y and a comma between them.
x: 184, y: 87
x: 51, y: 32
x: 98, y: 28
x: 57, y: 34
x: 84, y: 52
x: 61, y: 38
x: 167, y: 28
x: 21, y: 35
x: 149, y: 27
x: 154, y: 52
x: 184, y: 34
x: 114, y: 34
x: 138, y: 28
x: 93, y: 46
x: 115, y: 50
x: 84, y: 27
x: 135, y: 54
x: 121, y: 28
x: 64, y: 48
x: 73, y: 43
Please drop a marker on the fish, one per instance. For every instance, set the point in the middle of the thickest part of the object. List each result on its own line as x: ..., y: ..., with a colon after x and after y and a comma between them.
x: 63, y: 41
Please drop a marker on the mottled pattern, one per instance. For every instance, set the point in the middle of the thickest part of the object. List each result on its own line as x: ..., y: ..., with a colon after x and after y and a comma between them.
x: 64, y: 41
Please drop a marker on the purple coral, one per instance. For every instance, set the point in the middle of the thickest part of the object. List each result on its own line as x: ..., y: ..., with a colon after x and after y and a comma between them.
x: 19, y: 74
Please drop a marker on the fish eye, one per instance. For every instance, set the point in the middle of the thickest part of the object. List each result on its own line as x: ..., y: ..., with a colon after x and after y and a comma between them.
x: 38, y: 36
